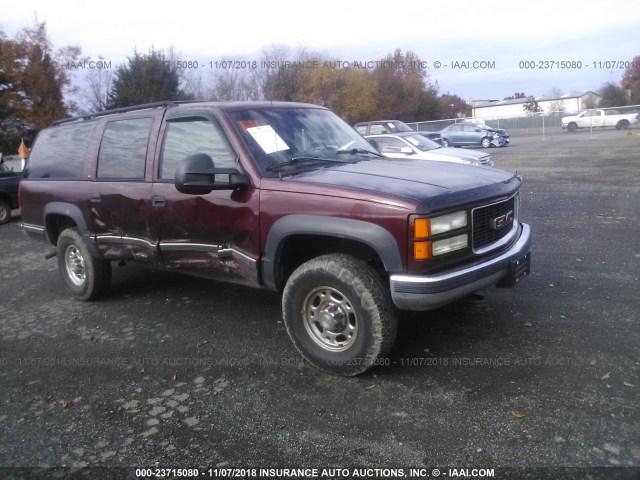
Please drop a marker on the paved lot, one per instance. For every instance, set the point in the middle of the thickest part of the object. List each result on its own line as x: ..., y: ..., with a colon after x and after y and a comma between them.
x: 182, y: 372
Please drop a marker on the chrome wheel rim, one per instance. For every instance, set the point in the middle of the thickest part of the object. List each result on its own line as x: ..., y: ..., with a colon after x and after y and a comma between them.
x: 330, y: 319
x: 74, y: 263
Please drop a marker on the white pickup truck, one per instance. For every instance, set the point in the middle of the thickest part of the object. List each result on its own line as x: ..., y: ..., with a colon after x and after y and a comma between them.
x: 600, y: 118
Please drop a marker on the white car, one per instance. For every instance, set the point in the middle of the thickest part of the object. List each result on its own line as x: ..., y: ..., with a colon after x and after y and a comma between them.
x: 414, y: 145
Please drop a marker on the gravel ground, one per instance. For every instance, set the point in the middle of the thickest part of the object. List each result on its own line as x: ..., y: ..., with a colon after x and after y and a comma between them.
x: 173, y: 371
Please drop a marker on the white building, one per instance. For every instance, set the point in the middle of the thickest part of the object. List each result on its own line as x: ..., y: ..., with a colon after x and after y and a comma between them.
x: 567, y: 104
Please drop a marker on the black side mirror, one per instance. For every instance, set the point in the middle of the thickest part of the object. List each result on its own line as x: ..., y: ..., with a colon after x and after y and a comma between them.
x: 196, y: 175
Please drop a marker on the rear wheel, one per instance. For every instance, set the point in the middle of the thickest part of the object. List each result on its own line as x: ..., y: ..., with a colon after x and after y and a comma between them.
x: 623, y: 125
x: 339, y: 315
x: 5, y: 212
x: 86, y: 276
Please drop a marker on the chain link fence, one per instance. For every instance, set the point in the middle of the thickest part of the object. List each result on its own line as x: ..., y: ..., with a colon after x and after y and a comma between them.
x: 524, y: 121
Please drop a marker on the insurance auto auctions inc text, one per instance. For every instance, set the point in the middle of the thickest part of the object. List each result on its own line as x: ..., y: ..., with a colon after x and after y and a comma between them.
x: 349, y: 473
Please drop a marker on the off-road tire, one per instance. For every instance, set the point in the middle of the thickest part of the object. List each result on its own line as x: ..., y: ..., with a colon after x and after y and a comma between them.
x: 330, y: 286
x: 87, y: 277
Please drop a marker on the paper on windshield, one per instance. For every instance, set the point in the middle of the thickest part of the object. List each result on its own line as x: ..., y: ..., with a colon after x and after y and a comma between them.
x: 268, y: 139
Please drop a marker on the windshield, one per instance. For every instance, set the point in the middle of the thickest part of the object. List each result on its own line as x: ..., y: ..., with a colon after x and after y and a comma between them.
x: 276, y: 136
x: 422, y: 143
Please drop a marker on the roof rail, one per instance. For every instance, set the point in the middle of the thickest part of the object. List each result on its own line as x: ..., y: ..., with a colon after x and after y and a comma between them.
x: 144, y: 106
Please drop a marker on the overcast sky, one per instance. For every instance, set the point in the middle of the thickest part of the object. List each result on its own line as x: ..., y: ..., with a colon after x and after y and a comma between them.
x: 503, y: 32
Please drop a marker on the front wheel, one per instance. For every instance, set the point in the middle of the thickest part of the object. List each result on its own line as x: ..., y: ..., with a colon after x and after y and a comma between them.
x: 339, y: 314
x: 444, y: 142
x: 572, y: 127
x: 486, y: 142
x: 86, y: 276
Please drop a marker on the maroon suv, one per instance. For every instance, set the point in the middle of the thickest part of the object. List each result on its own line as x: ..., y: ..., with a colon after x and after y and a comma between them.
x: 280, y: 196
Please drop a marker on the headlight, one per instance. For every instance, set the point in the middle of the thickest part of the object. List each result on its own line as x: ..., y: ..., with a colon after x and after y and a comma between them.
x: 424, y: 247
x: 450, y: 244
x: 448, y: 222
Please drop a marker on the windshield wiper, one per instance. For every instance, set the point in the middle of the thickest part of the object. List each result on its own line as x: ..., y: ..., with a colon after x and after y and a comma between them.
x: 296, y: 160
x: 354, y: 151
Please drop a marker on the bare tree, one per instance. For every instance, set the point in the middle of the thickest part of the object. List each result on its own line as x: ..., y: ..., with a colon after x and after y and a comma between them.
x: 98, y: 83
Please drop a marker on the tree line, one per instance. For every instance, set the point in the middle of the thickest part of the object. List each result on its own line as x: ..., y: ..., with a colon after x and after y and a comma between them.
x: 37, y: 88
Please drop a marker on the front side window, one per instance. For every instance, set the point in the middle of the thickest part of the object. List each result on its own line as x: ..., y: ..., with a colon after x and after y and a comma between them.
x: 390, y: 145
x: 123, y: 150
x: 185, y: 137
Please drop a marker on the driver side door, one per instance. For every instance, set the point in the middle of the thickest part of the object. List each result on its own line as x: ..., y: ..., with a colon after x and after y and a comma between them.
x: 213, y: 235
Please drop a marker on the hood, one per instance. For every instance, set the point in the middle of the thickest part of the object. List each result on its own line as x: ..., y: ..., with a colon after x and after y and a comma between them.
x: 432, y: 185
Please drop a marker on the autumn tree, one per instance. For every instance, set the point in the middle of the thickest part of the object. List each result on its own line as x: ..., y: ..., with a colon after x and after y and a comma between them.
x: 33, y: 83
x: 404, y: 89
x: 145, y: 78
x: 531, y: 105
x: 350, y: 92
x: 612, y: 95
x: 631, y: 81
x: 452, y: 106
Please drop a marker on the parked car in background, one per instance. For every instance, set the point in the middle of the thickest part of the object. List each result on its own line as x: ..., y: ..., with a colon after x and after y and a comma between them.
x: 9, y: 185
x: 468, y: 134
x: 600, y: 118
x: 413, y: 145
x: 13, y: 163
x: 379, y: 127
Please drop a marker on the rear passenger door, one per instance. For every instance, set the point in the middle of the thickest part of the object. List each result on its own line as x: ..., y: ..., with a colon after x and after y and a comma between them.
x: 121, y: 191
x: 213, y: 235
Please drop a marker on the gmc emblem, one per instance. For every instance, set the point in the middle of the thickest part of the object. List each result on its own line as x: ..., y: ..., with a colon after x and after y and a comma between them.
x: 502, y: 221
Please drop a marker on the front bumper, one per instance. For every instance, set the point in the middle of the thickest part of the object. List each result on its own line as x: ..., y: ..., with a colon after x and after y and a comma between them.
x: 427, y: 292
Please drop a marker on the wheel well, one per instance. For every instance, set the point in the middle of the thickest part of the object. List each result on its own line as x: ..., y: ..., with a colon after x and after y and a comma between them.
x: 55, y: 224
x: 298, y: 249
x: 6, y: 198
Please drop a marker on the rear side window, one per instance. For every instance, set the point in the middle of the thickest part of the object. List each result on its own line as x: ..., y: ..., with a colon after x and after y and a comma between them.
x: 193, y: 135
x: 123, y: 150
x: 59, y: 152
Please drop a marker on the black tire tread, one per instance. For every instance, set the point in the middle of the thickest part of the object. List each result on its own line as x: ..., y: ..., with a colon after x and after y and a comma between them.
x: 370, y: 293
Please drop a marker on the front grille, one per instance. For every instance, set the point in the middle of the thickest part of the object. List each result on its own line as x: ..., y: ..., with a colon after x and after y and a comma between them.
x: 485, y: 232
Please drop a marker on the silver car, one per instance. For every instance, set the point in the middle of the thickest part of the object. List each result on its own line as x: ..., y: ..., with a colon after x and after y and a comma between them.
x: 414, y: 145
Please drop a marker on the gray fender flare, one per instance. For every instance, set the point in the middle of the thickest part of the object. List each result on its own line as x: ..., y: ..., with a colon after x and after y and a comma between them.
x: 375, y: 236
x: 74, y: 213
